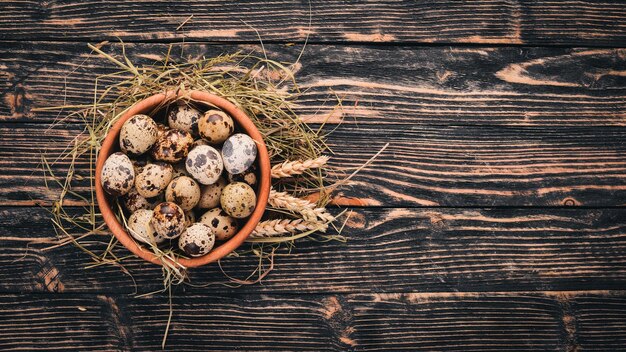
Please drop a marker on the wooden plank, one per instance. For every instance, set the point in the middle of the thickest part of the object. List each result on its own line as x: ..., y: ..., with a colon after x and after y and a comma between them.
x: 423, y: 165
x: 420, y: 85
x: 595, y: 312
x: 52, y: 323
x: 519, y: 321
x: 566, y: 22
x: 426, y: 250
x: 430, y: 322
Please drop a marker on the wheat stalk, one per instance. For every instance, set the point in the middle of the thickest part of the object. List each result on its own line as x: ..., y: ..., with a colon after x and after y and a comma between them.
x: 283, y: 200
x: 323, y: 215
x: 291, y: 168
x: 270, y: 228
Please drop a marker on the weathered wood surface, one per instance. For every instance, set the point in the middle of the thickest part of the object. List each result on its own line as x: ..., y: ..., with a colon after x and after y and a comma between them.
x: 484, y: 22
x: 423, y: 165
x: 519, y: 321
x: 489, y: 122
x: 540, y: 164
x: 388, y: 250
x: 389, y: 84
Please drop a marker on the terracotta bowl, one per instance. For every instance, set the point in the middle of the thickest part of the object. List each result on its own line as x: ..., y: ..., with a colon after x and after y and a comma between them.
x: 147, y: 106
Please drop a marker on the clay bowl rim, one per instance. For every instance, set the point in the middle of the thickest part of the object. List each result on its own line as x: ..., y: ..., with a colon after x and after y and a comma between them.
x: 145, y: 107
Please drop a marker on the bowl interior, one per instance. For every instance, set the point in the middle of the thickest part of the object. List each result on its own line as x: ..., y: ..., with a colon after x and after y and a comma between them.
x: 148, y: 106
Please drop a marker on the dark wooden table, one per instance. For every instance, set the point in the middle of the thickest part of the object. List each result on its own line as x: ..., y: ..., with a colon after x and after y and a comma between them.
x: 495, y: 219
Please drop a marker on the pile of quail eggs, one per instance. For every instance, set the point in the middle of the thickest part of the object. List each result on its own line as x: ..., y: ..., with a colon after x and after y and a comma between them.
x: 169, y: 175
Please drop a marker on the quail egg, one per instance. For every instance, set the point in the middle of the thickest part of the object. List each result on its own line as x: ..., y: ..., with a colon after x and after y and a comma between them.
x: 238, y: 152
x: 139, y: 163
x: 190, y: 218
x: 161, y: 129
x: 173, y: 146
x: 223, y: 226
x: 134, y: 201
x: 180, y: 170
x: 141, y: 229
x: 153, y: 179
x: 197, y: 240
x: 204, y: 164
x: 117, y: 176
x: 138, y: 134
x: 184, y: 118
x: 238, y: 200
x: 200, y: 141
x: 215, y: 126
x: 210, y: 194
x: 183, y: 191
x: 248, y: 176
x: 168, y: 220
x: 159, y: 198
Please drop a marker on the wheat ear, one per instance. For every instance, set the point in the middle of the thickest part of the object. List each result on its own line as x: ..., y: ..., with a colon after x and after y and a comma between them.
x: 270, y: 228
x: 292, y: 168
x: 282, y: 200
x: 323, y: 215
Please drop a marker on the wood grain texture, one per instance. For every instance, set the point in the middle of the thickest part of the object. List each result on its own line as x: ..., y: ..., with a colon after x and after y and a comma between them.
x: 520, y: 321
x: 590, y: 311
x: 484, y: 22
x: 450, y: 252
x: 388, y: 250
x: 419, y: 85
x: 423, y: 165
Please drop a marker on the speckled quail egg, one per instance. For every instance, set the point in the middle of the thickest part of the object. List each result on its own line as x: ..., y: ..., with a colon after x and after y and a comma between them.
x: 248, y: 176
x: 141, y: 229
x: 238, y: 152
x: 223, y: 226
x: 204, y: 163
x: 173, y: 146
x: 197, y: 240
x: 139, y: 163
x: 190, y: 218
x: 168, y: 220
x: 161, y: 129
x: 153, y: 179
x: 210, y: 194
x: 179, y: 170
x: 183, y: 191
x: 215, y: 126
x: 184, y: 118
x: 200, y: 141
x: 238, y: 200
x: 138, y: 134
x: 117, y: 176
x: 159, y: 198
x: 134, y: 201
